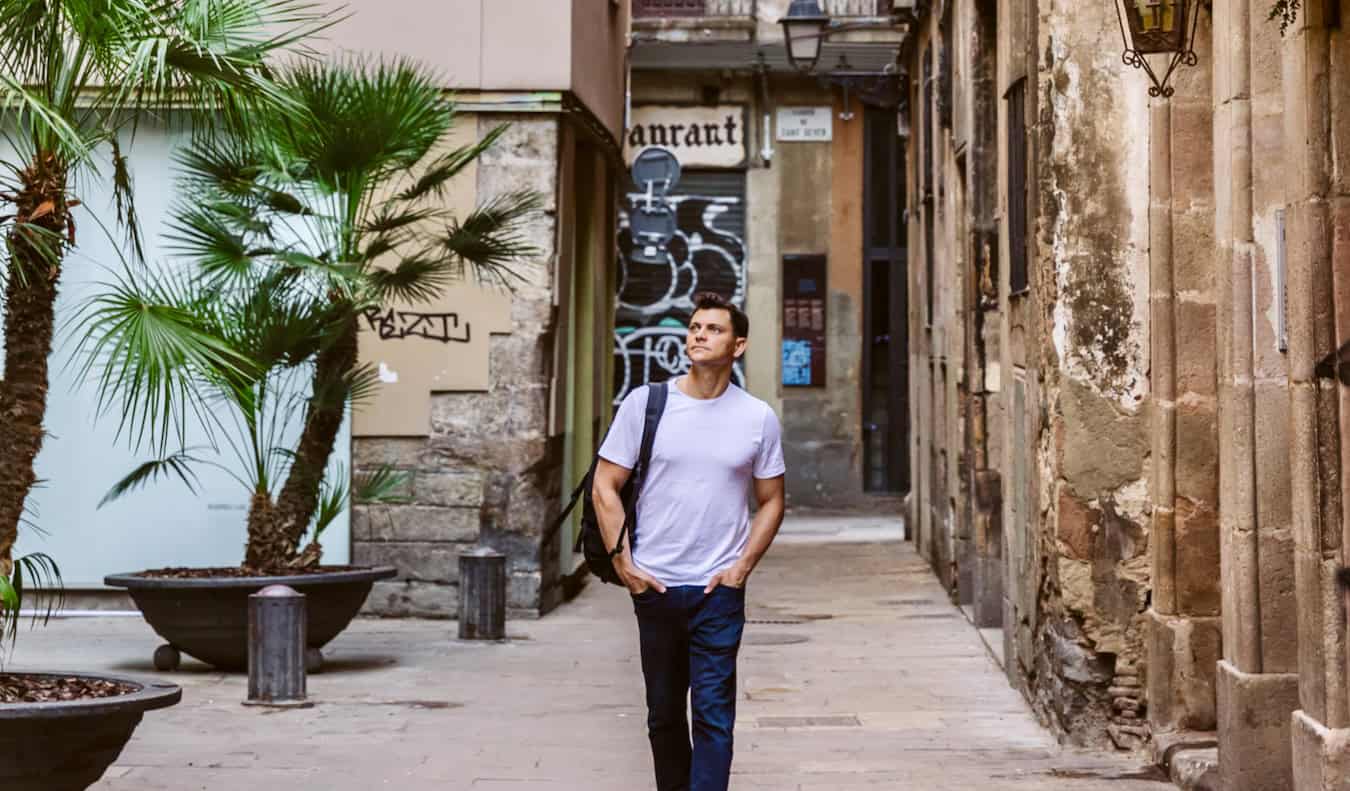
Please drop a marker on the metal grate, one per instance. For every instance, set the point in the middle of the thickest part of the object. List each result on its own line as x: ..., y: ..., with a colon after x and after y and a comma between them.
x: 669, y: 8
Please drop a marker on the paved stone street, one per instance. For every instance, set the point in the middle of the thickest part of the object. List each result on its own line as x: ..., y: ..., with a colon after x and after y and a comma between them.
x: 856, y: 674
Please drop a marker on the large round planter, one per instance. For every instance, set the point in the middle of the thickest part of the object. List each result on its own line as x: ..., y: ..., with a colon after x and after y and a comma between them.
x: 67, y: 746
x: 208, y: 618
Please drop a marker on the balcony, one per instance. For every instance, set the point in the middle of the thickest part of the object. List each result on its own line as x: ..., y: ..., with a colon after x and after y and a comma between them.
x: 746, y: 9
x: 738, y: 34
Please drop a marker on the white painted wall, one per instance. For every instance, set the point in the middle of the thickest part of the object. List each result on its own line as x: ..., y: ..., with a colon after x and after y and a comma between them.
x: 162, y: 524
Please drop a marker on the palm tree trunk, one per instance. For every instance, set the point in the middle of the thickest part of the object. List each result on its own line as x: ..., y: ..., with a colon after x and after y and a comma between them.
x: 30, y: 313
x: 275, y: 534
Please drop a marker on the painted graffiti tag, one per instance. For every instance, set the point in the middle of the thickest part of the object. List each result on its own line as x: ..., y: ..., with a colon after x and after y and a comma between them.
x: 394, y: 324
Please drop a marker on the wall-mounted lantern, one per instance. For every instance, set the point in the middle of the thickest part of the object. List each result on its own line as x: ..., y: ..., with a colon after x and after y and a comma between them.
x: 1158, y: 27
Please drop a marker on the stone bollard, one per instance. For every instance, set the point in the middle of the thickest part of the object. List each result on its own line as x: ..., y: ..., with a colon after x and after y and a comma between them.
x: 277, y: 637
x: 482, y: 595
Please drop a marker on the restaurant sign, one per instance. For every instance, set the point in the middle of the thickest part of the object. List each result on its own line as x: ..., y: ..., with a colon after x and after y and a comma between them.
x: 699, y: 135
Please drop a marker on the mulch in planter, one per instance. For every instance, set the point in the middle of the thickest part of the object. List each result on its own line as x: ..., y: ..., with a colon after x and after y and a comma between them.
x: 240, y: 572
x: 54, y: 689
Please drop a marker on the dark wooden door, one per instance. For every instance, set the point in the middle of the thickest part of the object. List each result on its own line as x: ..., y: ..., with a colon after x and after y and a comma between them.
x: 886, y: 300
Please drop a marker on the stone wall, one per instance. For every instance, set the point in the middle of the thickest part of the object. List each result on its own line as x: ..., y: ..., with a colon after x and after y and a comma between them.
x: 1089, y: 295
x: 488, y: 473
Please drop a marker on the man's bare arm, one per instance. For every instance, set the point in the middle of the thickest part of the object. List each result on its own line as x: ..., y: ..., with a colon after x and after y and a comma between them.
x: 769, y: 517
x: 608, y: 482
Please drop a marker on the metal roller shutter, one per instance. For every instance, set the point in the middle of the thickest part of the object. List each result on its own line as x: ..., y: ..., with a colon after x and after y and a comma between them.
x: 654, y: 302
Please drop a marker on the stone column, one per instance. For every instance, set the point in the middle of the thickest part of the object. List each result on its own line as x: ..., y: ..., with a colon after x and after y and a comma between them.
x: 1252, y: 705
x: 1315, y: 105
x: 1183, y: 623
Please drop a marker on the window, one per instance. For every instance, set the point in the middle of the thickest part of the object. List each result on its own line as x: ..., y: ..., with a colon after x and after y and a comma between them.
x: 1017, y: 187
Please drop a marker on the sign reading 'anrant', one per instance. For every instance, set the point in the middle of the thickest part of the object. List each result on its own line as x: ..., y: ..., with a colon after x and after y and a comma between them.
x: 698, y: 136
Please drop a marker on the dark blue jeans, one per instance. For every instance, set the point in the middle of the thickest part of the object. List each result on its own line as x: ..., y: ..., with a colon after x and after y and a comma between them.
x: 689, y: 645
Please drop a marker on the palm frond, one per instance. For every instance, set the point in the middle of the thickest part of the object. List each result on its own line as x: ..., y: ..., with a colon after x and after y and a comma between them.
x: 124, y: 200
x: 365, y: 120
x: 210, y: 52
x: 48, y: 248
x: 489, y: 239
x: 225, y: 165
x: 277, y: 324
x: 333, y: 498
x: 176, y: 464
x: 413, y: 280
x: 48, y: 125
x: 384, y: 485
x: 26, y: 29
x: 208, y: 236
x: 363, y: 383
x: 157, y: 350
x: 35, y: 571
x: 389, y: 219
x: 433, y: 180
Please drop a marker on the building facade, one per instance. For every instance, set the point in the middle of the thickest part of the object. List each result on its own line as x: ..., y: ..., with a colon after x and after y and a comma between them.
x: 790, y: 204
x: 1129, y: 410
x: 496, y: 416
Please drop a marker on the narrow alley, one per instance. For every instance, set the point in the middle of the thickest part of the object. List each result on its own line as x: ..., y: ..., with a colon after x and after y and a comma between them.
x: 856, y: 673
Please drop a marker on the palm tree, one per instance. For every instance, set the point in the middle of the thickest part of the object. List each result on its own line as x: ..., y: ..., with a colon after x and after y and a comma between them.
x: 73, y: 75
x: 298, y: 231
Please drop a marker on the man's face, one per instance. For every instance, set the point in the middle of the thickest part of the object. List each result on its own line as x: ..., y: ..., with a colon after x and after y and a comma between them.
x: 711, y: 339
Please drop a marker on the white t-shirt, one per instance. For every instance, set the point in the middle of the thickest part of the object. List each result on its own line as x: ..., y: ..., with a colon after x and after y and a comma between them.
x: 693, y: 511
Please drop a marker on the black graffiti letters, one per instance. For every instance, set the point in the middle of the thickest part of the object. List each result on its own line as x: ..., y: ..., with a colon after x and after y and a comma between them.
x: 394, y: 324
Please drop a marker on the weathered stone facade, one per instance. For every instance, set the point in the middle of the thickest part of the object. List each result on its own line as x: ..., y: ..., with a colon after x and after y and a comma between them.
x: 1037, y: 395
x: 1165, y: 394
x: 489, y: 472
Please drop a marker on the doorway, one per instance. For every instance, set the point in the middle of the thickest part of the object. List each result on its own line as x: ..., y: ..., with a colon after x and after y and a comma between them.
x: 885, y: 394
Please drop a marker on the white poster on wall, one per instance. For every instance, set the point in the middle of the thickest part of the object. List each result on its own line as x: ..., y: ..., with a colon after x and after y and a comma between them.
x: 805, y: 125
x: 699, y: 136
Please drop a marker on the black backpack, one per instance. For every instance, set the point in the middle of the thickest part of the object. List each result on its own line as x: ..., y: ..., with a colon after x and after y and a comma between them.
x: 591, y: 542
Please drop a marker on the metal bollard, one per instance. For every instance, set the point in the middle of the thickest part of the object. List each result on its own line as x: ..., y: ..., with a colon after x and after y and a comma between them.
x: 482, y: 595
x: 277, y: 636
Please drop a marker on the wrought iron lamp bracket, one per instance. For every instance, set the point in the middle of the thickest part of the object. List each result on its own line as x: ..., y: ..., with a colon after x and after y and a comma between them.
x: 1136, y: 59
x: 881, y: 88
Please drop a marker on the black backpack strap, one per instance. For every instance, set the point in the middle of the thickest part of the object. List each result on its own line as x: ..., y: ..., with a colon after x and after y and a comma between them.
x: 656, y: 406
x: 571, y: 505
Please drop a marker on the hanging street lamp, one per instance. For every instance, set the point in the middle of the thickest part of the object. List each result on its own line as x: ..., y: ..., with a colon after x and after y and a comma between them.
x: 1158, y: 27
x: 804, y: 28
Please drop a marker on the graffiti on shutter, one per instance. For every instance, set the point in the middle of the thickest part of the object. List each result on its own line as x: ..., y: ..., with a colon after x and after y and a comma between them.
x: 655, y: 301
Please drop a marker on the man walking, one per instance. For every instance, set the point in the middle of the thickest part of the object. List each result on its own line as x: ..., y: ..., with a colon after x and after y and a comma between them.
x: 696, y: 543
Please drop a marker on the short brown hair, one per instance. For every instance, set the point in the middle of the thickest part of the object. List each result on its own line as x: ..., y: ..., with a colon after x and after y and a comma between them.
x: 711, y: 300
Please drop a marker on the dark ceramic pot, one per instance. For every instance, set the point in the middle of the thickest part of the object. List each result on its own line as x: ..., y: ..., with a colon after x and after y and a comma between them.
x: 67, y: 746
x: 208, y: 618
